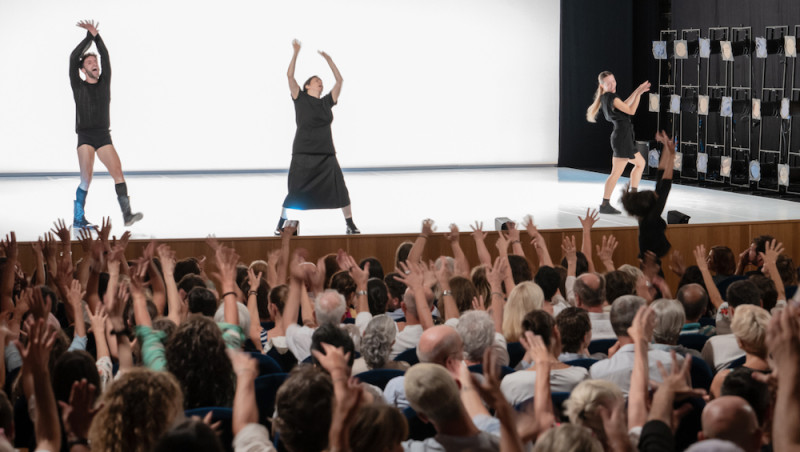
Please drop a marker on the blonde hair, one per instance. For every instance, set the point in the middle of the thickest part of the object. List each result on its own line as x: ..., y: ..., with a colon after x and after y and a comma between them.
x: 749, y: 325
x: 526, y: 296
x: 582, y: 404
x: 591, y: 112
x: 138, y: 408
x: 568, y: 438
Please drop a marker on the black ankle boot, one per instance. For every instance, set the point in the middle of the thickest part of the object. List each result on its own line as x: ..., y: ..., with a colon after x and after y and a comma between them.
x: 125, y: 206
x: 351, y: 227
x: 279, y: 228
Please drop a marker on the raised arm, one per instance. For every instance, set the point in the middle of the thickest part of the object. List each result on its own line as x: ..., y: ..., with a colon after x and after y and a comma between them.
x: 479, y: 236
x: 586, y: 242
x: 83, y: 46
x: 412, y: 276
x: 770, y: 257
x: 449, y: 306
x: 35, y: 357
x: 245, y: 410
x: 462, y: 265
x: 296, y: 277
x: 294, y: 88
x: 7, y: 277
x: 713, y: 293
x: 633, y: 100
x: 283, y: 256
x: 783, y: 342
x: 513, y: 238
x: 497, y: 300
x: 337, y: 88
x: 641, y: 332
x: 666, y: 162
x: 537, y: 241
x: 415, y: 254
x: 105, y: 63
x: 606, y: 252
x: 167, y: 257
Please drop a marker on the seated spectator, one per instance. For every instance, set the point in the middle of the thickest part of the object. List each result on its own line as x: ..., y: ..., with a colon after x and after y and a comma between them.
x: 440, y: 345
x: 590, y: 294
x: 619, y: 283
x: 587, y: 401
x: 378, y: 427
x: 136, y: 409
x: 670, y: 319
x: 377, y: 296
x: 375, y: 267
x: 694, y: 299
x: 617, y: 369
x: 477, y: 331
x: 549, y: 280
x: 741, y: 382
x: 568, y: 437
x: 202, y: 301
x: 732, y: 419
x: 739, y: 293
x: 376, y: 346
x: 303, y: 409
x: 576, y: 334
x: 769, y: 293
x: 417, y: 308
x: 750, y: 330
x: 396, y: 291
x: 436, y: 398
x: 276, y: 336
x: 191, y: 434
x: 518, y: 386
x: 721, y: 263
x: 788, y: 272
x: 525, y: 297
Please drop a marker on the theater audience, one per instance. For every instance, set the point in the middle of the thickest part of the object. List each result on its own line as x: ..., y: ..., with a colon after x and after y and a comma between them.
x: 106, y: 352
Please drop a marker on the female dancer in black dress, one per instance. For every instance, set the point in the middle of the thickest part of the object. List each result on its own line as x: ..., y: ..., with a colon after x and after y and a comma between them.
x: 619, y: 113
x: 315, y: 178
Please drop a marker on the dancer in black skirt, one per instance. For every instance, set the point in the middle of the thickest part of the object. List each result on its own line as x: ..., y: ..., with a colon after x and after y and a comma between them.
x: 315, y: 178
x: 92, y: 99
x: 619, y: 113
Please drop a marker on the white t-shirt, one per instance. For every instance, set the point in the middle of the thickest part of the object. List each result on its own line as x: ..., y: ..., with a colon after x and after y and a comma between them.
x: 601, y: 326
x: 519, y: 386
x: 408, y: 338
x: 618, y: 368
x: 298, y: 339
x: 721, y: 350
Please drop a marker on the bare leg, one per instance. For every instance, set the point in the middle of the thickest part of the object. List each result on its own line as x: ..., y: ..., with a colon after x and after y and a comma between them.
x: 638, y: 169
x: 618, y: 165
x: 347, y: 211
x: 108, y: 155
x: 86, y: 163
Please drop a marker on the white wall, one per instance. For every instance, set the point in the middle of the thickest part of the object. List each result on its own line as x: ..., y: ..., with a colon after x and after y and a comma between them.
x: 202, y: 85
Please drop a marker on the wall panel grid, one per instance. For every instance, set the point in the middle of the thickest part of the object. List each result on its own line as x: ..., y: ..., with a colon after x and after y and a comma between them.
x: 728, y: 96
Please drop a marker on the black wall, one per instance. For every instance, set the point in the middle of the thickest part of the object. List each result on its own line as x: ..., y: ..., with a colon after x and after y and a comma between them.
x: 599, y: 35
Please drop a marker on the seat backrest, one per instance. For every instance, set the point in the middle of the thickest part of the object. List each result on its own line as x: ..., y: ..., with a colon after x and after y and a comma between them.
x: 222, y: 414
x: 379, y: 377
x: 266, y: 365
x: 409, y: 356
x: 701, y: 374
x: 693, y: 341
x: 738, y: 362
x: 601, y: 345
x: 417, y: 429
x: 515, y: 353
x: 266, y: 391
x: 586, y: 363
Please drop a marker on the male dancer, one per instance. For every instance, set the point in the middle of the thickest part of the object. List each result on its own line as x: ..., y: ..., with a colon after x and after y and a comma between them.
x: 92, y: 99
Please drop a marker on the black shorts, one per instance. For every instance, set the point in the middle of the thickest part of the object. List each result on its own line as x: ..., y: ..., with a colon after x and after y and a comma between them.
x: 95, y: 138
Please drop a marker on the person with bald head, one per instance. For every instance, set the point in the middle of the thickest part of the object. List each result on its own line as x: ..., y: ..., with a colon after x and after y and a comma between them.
x: 731, y: 418
x: 440, y: 345
x: 589, y: 293
x: 694, y: 299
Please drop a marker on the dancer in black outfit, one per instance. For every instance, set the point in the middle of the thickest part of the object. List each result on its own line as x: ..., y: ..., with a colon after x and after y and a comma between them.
x: 622, y: 140
x: 647, y: 206
x: 92, y: 100
x: 315, y: 178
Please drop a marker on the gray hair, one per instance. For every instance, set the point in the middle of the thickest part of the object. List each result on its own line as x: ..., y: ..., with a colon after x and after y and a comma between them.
x: 329, y: 307
x: 244, y: 316
x: 476, y: 329
x: 670, y: 318
x: 411, y: 302
x: 377, y: 342
x: 589, y: 296
x: 623, y: 310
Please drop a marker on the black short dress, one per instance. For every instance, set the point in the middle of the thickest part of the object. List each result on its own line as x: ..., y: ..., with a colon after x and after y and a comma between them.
x: 315, y: 178
x: 622, y: 139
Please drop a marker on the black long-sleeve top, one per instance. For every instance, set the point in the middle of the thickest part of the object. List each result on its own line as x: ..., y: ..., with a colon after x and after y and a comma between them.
x: 92, y: 100
x: 652, y: 227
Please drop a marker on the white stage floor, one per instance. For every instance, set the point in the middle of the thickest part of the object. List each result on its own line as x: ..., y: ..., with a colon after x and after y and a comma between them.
x: 384, y: 202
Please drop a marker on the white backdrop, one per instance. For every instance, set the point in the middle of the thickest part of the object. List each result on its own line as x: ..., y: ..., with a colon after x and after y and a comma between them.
x: 202, y: 85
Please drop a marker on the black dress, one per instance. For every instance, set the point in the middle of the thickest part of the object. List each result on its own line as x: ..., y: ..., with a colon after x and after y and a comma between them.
x: 622, y: 138
x: 315, y: 178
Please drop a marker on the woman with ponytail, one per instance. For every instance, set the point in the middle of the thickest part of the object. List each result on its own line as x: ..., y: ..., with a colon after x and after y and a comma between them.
x: 619, y: 113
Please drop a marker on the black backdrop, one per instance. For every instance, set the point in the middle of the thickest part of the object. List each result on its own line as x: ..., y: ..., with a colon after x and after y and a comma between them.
x: 617, y: 35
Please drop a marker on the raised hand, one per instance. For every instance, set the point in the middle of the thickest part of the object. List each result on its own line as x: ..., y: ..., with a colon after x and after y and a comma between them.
x: 104, y: 231
x: 166, y: 256
x: 513, y: 232
x: 61, y: 230
x: 453, y: 235
x: 324, y: 55
x: 568, y: 247
x: 428, y: 226
x: 489, y: 388
x: 36, y: 353
x: 590, y: 219
x: 411, y: 275
x: 77, y: 415
x: 496, y: 273
x: 443, y: 274
x: 700, y: 257
x: 89, y: 25
x: 772, y: 250
x: 86, y: 240
x: 75, y: 295
x: 643, y: 325
x: 296, y: 45
x: 123, y: 240
x: 677, y: 264
x: 679, y: 379
x: 39, y: 307
x: 650, y: 265
x: 334, y: 360
x: 605, y: 251
x: 296, y: 270
x: 477, y: 231
x: 502, y: 244
x: 288, y: 231
x: 98, y: 321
